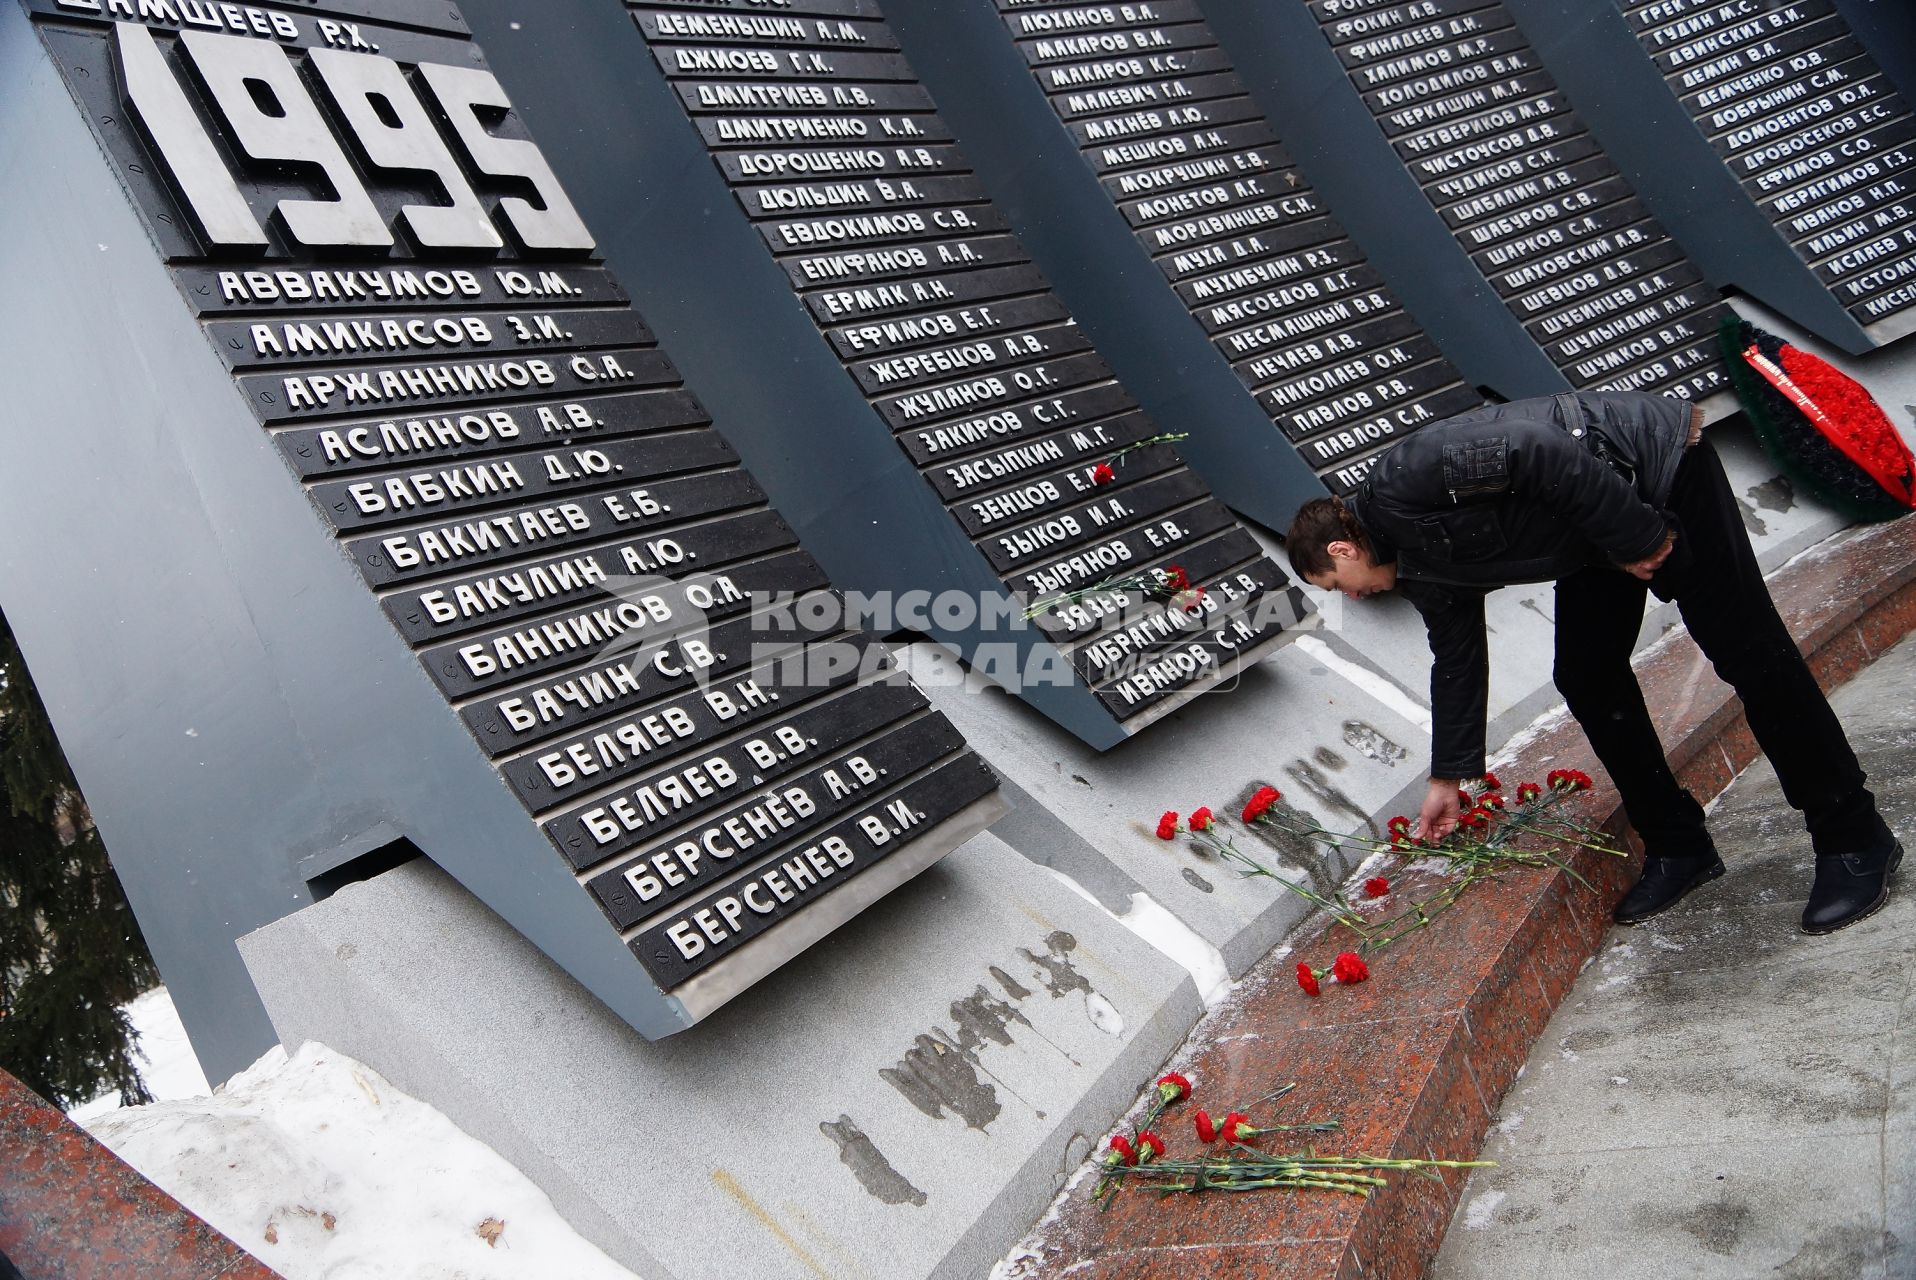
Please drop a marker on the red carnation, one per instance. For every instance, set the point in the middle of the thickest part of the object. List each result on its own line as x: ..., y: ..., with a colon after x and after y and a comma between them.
x: 1103, y: 474
x: 1568, y: 780
x: 1490, y: 800
x: 1307, y: 979
x: 1173, y: 1087
x: 1168, y: 825
x: 1206, y: 1131
x: 1236, y: 1127
x: 1348, y: 968
x: 1260, y: 803
x: 1174, y: 578
x: 1191, y: 600
x: 1528, y: 791
x: 1464, y: 799
x: 1152, y: 1145
x: 1376, y: 887
x: 1121, y: 1147
x: 1490, y: 783
x: 1398, y: 826
x: 1474, y: 818
x: 1202, y: 819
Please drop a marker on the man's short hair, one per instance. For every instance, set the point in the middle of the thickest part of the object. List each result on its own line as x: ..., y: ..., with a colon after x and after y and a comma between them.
x: 1317, y: 524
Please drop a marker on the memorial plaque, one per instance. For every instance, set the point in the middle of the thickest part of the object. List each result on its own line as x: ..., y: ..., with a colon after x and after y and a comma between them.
x: 1163, y: 124
x: 1813, y: 132
x: 1481, y: 125
x: 1060, y: 488
x: 415, y: 314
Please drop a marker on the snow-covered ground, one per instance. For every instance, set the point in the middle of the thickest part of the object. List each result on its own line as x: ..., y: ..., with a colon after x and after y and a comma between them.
x: 324, y: 1171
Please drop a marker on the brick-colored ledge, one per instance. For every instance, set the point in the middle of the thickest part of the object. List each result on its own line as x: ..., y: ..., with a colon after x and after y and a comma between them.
x: 72, y: 1210
x: 1415, y: 1061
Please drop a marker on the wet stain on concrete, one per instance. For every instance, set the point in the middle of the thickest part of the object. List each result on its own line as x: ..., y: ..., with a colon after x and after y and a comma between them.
x: 1751, y: 521
x: 1328, y: 758
x: 1059, y: 975
x: 936, y: 1077
x: 1718, y: 1226
x: 1530, y: 603
x: 868, y: 1164
x: 1368, y: 741
x: 1013, y: 988
x: 1844, y: 1249
x: 1292, y: 849
x: 1312, y: 779
x: 1197, y: 881
x: 1775, y: 494
x: 980, y: 1017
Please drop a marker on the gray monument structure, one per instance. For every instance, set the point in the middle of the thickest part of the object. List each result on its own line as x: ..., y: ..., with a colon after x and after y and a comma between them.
x: 364, y: 518
x: 1774, y: 138
x: 941, y: 420
x: 1456, y: 160
x: 1160, y: 194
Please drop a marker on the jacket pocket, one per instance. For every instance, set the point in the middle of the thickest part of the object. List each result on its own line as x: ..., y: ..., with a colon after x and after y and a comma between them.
x: 1477, y: 468
x: 1466, y: 534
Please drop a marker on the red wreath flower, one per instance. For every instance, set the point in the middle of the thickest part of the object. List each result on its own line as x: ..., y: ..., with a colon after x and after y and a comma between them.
x: 1528, y: 791
x: 1376, y: 887
x: 1260, y: 803
x: 1174, y: 578
x: 1103, y: 474
x: 1173, y: 1087
x: 1206, y: 1130
x: 1307, y: 979
x: 1121, y: 1147
x: 1150, y: 1145
x: 1236, y: 1127
x: 1490, y: 783
x: 1168, y: 825
x: 1349, y: 968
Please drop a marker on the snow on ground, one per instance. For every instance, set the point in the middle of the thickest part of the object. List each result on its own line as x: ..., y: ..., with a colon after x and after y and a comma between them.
x: 167, y: 1063
x: 324, y: 1171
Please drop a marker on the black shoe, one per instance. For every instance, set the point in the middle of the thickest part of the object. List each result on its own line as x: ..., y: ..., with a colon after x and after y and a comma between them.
x: 1850, y: 887
x: 1662, y: 885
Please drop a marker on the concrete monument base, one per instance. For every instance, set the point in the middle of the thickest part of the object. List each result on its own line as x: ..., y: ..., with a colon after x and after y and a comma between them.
x: 902, y: 1100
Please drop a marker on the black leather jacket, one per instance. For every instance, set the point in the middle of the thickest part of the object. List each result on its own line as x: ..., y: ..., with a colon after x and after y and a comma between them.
x: 1528, y: 491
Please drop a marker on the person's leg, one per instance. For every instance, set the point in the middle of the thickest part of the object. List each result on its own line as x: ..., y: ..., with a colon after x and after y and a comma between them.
x: 1725, y: 603
x: 1599, y: 612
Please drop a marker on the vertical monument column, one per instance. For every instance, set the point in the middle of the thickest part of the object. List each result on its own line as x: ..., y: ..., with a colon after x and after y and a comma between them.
x: 1769, y: 137
x: 1130, y: 157
x: 1459, y: 164
x: 677, y: 766
x: 819, y: 217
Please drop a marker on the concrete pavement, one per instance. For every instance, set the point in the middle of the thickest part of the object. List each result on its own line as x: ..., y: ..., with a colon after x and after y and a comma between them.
x: 1721, y: 1095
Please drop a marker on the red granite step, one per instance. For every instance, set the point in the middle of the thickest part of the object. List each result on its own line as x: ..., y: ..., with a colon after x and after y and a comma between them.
x: 1415, y: 1061
x: 72, y: 1210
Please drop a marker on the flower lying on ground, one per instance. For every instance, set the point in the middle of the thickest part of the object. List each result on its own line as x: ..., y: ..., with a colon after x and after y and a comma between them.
x: 1490, y: 839
x: 1240, y: 1167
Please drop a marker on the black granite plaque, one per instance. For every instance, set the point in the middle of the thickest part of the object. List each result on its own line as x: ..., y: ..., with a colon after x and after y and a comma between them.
x: 412, y: 309
x: 1811, y: 129
x: 1221, y: 207
x: 1484, y: 131
x: 953, y: 337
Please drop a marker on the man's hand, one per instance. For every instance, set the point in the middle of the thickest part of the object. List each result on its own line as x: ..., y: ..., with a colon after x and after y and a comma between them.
x: 1647, y: 567
x: 1438, y: 817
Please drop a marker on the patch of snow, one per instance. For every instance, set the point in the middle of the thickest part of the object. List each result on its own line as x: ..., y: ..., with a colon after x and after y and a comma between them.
x: 1104, y: 1015
x: 324, y: 1171
x: 1510, y: 1123
x: 1569, y: 1054
x: 169, y: 1070
x: 1478, y: 1215
x: 1619, y: 1079
x: 1661, y: 943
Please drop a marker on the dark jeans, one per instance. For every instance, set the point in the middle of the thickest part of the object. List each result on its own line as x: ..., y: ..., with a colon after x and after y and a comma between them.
x: 1713, y: 577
